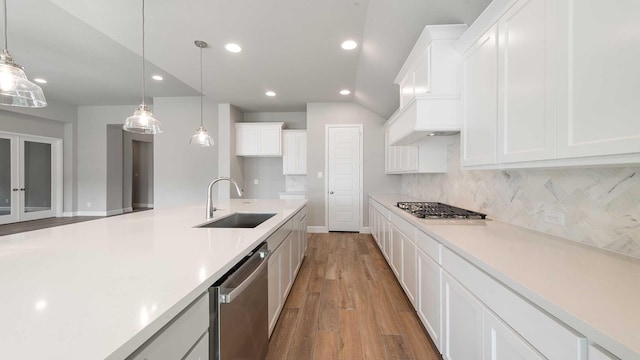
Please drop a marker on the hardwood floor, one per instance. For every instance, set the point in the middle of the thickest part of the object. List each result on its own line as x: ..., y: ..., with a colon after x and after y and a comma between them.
x: 347, y: 304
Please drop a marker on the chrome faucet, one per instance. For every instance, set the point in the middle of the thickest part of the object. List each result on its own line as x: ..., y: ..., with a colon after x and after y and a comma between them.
x: 210, y: 207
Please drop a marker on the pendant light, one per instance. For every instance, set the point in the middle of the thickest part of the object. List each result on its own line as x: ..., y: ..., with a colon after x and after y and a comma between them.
x: 15, y: 88
x: 142, y: 120
x: 201, y: 137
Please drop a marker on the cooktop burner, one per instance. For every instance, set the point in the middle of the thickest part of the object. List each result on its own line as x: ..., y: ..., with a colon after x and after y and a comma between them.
x: 436, y: 210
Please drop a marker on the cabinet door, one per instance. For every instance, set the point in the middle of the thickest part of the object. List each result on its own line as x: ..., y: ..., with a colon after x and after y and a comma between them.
x: 501, y: 343
x: 396, y: 251
x: 200, y: 351
x: 295, y: 248
x: 289, y: 149
x: 246, y: 140
x: 429, y: 297
x: 302, y: 239
x: 301, y: 164
x: 597, y: 353
x: 275, y: 302
x: 526, y: 94
x: 598, y: 76
x: 286, y: 268
x: 269, y: 140
x: 480, y: 97
x: 462, y: 323
x: 387, y: 233
x: 409, y: 269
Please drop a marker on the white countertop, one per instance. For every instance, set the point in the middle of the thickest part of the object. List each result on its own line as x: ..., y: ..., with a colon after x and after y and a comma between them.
x: 99, y: 289
x: 594, y: 291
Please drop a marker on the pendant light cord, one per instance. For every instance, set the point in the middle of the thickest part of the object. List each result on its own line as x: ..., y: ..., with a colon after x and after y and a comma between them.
x: 201, y: 93
x: 143, y: 68
x: 4, y: 3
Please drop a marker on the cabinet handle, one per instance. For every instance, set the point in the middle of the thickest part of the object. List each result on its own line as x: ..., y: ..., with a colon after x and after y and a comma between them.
x: 22, y: 189
x: 14, y: 189
x: 331, y: 192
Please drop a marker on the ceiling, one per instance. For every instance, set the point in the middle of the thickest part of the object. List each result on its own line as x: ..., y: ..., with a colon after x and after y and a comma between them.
x: 90, y: 51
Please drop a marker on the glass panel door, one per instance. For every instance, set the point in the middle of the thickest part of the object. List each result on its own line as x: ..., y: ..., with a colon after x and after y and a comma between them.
x: 37, y: 188
x: 8, y: 179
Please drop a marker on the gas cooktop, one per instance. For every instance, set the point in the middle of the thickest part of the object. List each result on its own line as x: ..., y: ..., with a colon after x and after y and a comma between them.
x: 436, y: 210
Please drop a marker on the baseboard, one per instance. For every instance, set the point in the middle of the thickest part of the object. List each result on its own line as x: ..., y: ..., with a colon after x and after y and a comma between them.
x: 127, y: 210
x: 70, y: 214
x: 142, y: 205
x: 365, y: 230
x: 317, y: 229
x: 91, y: 213
x: 114, y: 212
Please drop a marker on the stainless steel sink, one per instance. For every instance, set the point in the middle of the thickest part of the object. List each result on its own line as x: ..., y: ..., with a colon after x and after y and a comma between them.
x: 239, y: 220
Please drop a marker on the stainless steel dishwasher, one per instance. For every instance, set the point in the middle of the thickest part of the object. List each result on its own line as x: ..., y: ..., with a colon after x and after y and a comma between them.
x: 239, y: 310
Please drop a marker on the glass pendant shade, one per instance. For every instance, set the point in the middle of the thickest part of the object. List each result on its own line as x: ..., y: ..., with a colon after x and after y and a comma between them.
x: 15, y: 88
x: 142, y: 122
x: 201, y: 137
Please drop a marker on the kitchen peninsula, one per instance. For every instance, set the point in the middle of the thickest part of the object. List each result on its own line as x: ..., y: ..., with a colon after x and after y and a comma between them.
x: 101, y: 289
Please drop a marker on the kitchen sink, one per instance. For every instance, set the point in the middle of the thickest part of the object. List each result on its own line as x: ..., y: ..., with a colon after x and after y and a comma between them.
x: 239, y: 220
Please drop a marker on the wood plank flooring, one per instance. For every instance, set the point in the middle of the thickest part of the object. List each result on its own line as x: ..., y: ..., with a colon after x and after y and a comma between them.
x: 8, y: 229
x: 347, y: 304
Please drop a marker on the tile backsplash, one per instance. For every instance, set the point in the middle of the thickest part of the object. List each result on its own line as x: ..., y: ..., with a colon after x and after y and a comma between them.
x: 601, y: 205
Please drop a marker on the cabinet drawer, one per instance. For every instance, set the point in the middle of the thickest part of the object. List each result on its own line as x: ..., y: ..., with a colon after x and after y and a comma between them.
x: 279, y: 235
x: 175, y: 339
x: 597, y: 353
x: 201, y: 350
x: 404, y: 226
x: 427, y: 244
x: 550, y: 337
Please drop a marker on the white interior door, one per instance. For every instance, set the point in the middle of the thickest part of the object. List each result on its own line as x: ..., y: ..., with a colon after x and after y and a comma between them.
x: 30, y: 178
x: 344, y: 177
x: 9, y: 186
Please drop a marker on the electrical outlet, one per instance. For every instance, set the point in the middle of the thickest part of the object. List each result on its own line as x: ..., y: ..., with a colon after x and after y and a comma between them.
x: 554, y: 217
x: 255, y: 181
x: 88, y: 204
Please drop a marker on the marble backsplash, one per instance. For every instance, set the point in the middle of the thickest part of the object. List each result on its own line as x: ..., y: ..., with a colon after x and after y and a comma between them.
x: 601, y: 205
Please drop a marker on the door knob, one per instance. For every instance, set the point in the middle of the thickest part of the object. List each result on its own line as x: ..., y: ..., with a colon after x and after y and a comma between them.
x: 331, y: 192
x: 15, y: 189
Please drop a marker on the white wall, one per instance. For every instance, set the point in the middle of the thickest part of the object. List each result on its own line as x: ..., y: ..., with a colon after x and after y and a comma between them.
x: 92, y: 154
x: 228, y: 163
x: 375, y: 180
x: 183, y: 171
x: 114, y: 169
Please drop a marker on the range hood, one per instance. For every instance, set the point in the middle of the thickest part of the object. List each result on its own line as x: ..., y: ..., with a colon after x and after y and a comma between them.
x: 430, y: 83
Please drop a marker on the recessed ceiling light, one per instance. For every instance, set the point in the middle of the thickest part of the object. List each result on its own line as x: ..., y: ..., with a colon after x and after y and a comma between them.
x: 40, y: 80
x: 345, y: 92
x: 349, y: 45
x: 234, y: 48
x: 270, y: 93
x: 157, y: 77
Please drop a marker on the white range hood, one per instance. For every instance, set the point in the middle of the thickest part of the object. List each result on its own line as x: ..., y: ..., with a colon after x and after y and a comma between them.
x: 430, y: 82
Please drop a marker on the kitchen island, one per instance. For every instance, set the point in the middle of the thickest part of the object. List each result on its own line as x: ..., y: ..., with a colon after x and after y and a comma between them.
x: 101, y: 289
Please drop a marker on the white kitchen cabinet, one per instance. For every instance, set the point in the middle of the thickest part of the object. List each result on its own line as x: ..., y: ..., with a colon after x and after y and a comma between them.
x: 421, y: 157
x: 502, y: 343
x: 200, y: 351
x: 527, y: 85
x: 598, y: 353
x: 294, y: 152
x: 259, y: 139
x: 429, y: 301
x: 463, y: 326
x: 396, y: 251
x: 598, y: 77
x: 410, y: 269
x: 480, y: 97
x: 176, y: 339
x: 286, y: 248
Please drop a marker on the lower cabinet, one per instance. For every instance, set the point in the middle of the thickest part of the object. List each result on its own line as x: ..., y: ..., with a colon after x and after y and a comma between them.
x: 174, y: 341
x: 396, y: 251
x: 463, y: 325
x: 284, y: 263
x: 200, y: 351
x: 409, y: 269
x: 428, y: 303
x: 501, y: 343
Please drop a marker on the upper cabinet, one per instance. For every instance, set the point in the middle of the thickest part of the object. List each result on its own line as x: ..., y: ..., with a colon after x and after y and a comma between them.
x: 259, y: 139
x: 429, y: 87
x: 550, y: 83
x: 294, y: 152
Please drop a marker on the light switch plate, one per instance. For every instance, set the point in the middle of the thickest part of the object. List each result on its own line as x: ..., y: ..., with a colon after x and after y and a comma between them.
x: 255, y: 181
x: 554, y: 217
x: 319, y: 174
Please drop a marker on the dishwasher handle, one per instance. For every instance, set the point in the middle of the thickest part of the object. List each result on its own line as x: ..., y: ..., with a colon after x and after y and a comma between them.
x: 227, y: 295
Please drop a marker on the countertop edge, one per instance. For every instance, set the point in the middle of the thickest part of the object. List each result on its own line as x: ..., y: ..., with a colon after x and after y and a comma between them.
x: 147, y: 333
x: 575, y: 323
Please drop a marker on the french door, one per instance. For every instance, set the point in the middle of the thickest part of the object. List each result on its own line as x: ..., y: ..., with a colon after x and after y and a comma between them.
x: 30, y: 177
